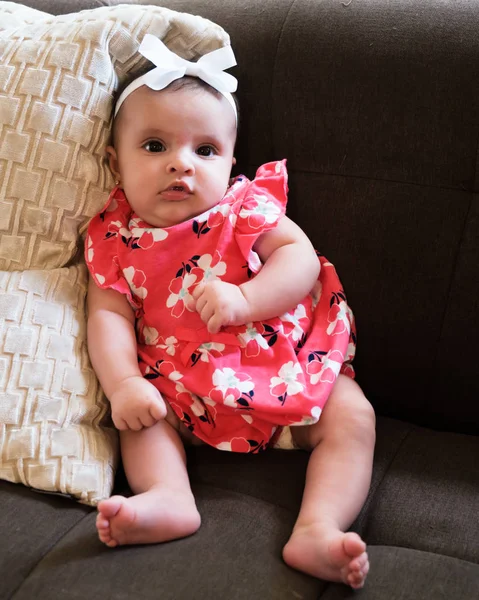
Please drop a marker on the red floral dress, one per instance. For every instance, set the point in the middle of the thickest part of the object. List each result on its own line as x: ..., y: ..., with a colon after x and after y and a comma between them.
x: 235, y: 388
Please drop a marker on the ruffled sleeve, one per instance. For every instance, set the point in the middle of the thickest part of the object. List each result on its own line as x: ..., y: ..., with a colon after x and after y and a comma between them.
x: 262, y: 205
x: 105, y: 239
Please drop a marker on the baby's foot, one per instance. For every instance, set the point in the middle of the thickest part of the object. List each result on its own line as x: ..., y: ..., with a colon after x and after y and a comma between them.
x: 155, y: 516
x: 329, y: 554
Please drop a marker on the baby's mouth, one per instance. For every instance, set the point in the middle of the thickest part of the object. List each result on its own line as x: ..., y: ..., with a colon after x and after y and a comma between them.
x: 176, y: 192
x: 178, y: 186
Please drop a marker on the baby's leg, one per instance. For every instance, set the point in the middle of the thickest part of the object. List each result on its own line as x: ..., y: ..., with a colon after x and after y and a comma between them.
x: 337, y: 483
x: 164, y: 507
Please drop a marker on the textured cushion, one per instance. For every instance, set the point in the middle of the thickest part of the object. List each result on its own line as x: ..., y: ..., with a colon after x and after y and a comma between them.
x: 55, y: 435
x: 57, y: 77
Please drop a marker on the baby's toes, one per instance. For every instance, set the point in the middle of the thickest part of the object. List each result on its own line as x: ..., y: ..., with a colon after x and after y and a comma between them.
x: 359, y: 563
x: 102, y: 522
x: 106, y: 538
x: 355, y: 572
x: 104, y: 533
x: 356, y: 581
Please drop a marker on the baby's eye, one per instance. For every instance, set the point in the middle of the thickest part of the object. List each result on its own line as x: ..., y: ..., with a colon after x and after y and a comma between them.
x: 154, y: 146
x: 206, y: 150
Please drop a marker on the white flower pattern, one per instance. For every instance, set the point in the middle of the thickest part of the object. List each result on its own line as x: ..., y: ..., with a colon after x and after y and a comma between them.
x: 210, y: 349
x: 264, y: 208
x: 294, y: 318
x: 169, y: 345
x: 136, y: 278
x: 180, y: 293
x: 287, y: 380
x: 210, y: 271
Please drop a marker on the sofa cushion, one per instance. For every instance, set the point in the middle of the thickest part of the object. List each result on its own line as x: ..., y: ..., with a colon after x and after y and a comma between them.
x: 57, y: 78
x: 428, y: 498
x: 405, y: 574
x: 248, y: 505
x: 31, y: 525
x: 236, y: 554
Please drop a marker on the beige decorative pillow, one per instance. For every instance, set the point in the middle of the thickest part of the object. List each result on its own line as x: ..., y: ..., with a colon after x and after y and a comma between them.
x: 57, y: 77
x: 55, y: 432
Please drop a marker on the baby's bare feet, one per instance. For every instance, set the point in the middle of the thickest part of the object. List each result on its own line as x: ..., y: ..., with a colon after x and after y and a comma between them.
x: 329, y: 554
x: 157, y: 515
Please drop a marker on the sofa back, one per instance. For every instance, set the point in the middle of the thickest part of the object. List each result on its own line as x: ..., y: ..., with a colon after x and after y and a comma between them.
x: 376, y: 107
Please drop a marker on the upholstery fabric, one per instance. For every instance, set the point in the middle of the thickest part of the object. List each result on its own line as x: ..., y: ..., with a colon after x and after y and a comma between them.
x: 248, y: 506
x: 405, y: 574
x: 40, y: 521
x: 57, y: 78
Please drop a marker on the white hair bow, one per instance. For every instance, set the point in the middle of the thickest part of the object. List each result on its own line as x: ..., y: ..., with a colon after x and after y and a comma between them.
x: 170, y: 66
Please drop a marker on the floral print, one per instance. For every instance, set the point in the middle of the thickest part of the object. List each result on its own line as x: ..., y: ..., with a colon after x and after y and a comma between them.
x: 209, y: 267
x: 252, y: 340
x: 136, y: 278
x: 235, y: 389
x: 180, y: 296
x: 324, y: 368
x: 295, y: 323
x: 210, y: 349
x: 230, y: 387
x: 259, y: 211
x: 287, y: 383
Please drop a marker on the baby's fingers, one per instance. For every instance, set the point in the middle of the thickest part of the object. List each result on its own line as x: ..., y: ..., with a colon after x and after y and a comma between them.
x: 120, y: 424
x: 158, y: 411
x: 147, y: 420
x: 198, y: 291
x: 200, y: 298
x: 201, y: 303
x: 215, y: 323
x: 206, y: 314
x: 134, y: 423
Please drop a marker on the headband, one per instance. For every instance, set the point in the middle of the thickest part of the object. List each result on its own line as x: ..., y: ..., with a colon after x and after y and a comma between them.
x: 169, y: 66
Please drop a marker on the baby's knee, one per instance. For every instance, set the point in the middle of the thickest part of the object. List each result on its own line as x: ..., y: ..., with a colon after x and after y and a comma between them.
x: 363, y: 425
x: 363, y: 414
x: 348, y: 405
x: 358, y: 427
x: 348, y: 415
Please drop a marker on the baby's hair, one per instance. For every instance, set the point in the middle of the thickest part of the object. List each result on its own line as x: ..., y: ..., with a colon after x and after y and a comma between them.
x: 178, y: 84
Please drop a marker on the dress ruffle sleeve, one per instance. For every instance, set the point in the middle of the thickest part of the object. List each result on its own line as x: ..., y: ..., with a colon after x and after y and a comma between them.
x: 263, y: 205
x: 105, y: 234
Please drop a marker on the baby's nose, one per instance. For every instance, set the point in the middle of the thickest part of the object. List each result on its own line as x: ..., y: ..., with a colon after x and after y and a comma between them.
x: 181, y: 162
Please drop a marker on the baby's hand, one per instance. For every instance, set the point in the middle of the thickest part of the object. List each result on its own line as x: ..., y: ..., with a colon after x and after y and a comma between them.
x: 136, y: 404
x: 220, y: 304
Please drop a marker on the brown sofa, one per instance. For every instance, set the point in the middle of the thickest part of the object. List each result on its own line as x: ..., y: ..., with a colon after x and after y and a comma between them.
x: 375, y: 106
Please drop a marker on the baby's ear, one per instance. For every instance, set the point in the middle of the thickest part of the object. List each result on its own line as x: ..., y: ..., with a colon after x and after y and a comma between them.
x: 113, y: 162
x: 234, y: 161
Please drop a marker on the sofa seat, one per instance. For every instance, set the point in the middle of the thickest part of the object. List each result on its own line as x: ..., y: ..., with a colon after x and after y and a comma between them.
x: 248, y: 504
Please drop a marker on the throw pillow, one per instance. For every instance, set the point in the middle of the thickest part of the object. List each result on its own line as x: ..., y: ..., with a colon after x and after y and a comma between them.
x: 57, y: 78
x: 55, y: 432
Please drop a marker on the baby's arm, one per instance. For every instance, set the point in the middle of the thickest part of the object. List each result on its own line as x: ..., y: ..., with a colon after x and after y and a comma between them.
x: 135, y: 402
x: 289, y: 273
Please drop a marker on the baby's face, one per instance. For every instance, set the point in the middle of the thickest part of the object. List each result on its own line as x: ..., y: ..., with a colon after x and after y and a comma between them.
x: 173, y: 152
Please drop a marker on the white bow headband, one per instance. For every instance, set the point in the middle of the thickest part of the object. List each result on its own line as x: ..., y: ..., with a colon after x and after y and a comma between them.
x: 169, y: 66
